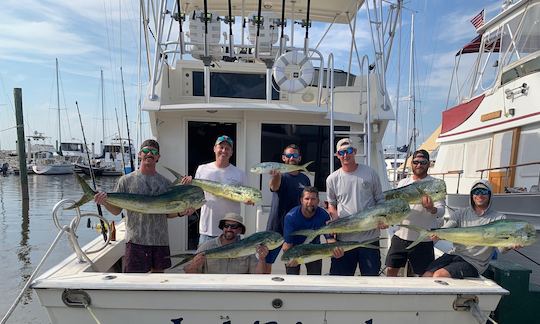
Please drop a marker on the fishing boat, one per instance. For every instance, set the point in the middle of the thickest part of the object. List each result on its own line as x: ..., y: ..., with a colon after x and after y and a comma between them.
x: 494, y: 129
x: 265, y: 92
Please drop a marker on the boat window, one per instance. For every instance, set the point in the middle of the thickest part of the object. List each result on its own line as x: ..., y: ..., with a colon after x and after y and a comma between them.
x: 521, y: 35
x: 313, y: 142
x: 527, y: 140
x: 476, y: 157
x: 234, y: 85
x: 521, y: 70
x: 450, y: 159
x: 72, y: 147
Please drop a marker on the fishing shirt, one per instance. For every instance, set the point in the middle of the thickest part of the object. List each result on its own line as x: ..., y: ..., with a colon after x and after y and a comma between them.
x: 216, y: 207
x: 286, y: 198
x: 419, y: 216
x: 145, y: 229
x: 295, y: 221
x: 477, y: 256
x: 352, y: 192
x: 240, y: 265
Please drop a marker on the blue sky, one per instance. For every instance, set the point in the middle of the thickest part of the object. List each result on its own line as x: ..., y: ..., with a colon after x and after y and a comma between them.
x: 86, y: 37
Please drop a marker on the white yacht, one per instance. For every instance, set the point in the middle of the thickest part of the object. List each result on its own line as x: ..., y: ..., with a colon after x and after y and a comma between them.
x: 264, y: 92
x: 493, y: 131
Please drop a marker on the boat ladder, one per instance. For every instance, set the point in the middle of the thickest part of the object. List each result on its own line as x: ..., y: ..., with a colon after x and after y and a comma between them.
x: 71, y: 231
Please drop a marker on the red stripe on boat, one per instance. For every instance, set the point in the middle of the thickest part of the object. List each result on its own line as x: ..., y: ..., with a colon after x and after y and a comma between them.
x: 455, y: 116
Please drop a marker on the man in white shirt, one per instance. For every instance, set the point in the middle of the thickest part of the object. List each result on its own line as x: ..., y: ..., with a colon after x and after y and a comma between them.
x: 222, y: 171
x: 426, y: 215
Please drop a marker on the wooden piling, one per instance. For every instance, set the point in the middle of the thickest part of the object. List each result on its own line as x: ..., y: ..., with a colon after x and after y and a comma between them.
x: 17, y: 95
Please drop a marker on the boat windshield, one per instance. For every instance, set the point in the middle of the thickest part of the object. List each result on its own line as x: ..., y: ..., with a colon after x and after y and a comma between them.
x: 521, y: 35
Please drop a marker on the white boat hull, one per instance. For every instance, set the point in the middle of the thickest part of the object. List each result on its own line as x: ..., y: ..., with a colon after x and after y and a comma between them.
x: 53, y: 169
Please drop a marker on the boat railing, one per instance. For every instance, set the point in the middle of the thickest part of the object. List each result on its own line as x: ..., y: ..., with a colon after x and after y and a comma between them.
x: 452, y: 172
x: 507, y: 169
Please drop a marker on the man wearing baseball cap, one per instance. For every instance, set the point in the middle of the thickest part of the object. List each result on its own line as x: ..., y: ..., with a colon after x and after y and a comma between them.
x: 222, y: 171
x: 351, y: 189
x: 232, y: 226
x: 426, y: 215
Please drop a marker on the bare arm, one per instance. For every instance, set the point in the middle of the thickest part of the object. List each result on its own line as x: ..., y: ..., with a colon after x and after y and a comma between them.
x: 275, y: 180
x: 262, y: 252
x: 100, y: 198
x: 195, y: 266
x: 332, y: 210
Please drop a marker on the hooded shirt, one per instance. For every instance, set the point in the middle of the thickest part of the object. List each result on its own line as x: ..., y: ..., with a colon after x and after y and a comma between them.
x: 477, y: 256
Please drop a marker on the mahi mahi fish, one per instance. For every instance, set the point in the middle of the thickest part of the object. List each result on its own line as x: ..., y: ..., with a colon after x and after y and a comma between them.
x: 176, y: 200
x: 266, y: 167
x: 241, y: 248
x: 412, y: 193
x: 305, y: 253
x: 500, y: 233
x: 228, y: 191
x: 389, y: 212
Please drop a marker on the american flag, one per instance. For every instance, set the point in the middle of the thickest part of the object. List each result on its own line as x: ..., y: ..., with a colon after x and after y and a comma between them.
x: 478, y: 20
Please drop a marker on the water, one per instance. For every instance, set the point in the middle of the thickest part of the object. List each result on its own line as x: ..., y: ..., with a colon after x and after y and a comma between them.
x: 26, y: 233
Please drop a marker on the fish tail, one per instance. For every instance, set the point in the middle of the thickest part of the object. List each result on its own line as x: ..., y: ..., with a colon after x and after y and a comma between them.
x: 177, y: 175
x: 423, y: 234
x: 304, y: 167
x: 309, y: 234
x: 87, y: 196
x: 187, y: 257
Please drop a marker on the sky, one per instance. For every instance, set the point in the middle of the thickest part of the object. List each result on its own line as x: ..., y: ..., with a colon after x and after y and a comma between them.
x: 102, y: 35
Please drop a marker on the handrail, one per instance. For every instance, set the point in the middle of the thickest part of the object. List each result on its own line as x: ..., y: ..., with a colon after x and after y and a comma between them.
x: 458, y: 172
x: 508, y: 167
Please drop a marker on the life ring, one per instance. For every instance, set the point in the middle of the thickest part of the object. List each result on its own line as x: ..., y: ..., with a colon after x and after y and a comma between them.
x: 297, y: 80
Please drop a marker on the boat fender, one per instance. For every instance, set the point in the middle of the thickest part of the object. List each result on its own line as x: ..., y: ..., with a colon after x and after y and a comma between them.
x: 300, y: 78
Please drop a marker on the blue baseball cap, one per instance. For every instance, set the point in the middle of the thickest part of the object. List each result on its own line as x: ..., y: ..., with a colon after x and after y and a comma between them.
x: 224, y: 138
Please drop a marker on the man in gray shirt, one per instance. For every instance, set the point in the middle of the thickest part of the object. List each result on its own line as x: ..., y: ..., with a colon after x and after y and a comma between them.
x: 426, y: 215
x: 351, y: 189
x: 147, y: 238
x: 468, y: 261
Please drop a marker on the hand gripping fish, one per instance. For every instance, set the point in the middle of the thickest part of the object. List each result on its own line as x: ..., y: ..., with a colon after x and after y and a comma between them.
x: 389, y: 212
x: 237, y: 249
x: 266, y: 167
x: 412, y: 193
x: 176, y: 200
x: 232, y: 192
x: 501, y: 233
x: 305, y: 253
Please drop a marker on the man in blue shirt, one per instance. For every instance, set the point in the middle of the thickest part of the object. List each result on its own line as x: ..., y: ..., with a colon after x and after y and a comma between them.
x: 306, y: 216
x: 286, y: 190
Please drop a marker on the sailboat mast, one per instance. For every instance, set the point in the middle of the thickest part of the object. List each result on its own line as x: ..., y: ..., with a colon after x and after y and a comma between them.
x: 59, y: 141
x: 411, y: 102
x: 102, y: 112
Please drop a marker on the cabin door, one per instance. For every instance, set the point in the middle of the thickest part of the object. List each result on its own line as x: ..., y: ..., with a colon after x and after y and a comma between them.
x: 503, y: 153
x: 201, y: 138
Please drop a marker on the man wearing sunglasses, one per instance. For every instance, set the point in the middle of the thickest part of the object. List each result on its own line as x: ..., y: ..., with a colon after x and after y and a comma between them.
x: 351, y: 189
x: 222, y: 171
x: 147, y: 238
x: 426, y: 215
x: 468, y: 261
x: 233, y: 226
x: 286, y: 189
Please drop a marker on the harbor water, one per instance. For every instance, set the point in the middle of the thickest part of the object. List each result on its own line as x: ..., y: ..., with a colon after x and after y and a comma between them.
x: 27, y: 231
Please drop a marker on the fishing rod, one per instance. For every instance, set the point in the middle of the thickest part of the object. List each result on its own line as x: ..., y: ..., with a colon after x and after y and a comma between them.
x: 100, y: 212
x: 120, y: 136
x: 127, y: 124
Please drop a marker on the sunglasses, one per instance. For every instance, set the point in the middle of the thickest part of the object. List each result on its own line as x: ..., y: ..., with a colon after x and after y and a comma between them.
x: 480, y: 191
x: 148, y: 150
x: 421, y: 162
x: 231, y: 226
x: 291, y: 155
x: 348, y: 150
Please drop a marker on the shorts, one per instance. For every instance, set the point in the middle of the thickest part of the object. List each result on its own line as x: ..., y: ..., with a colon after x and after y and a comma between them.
x: 272, y: 255
x: 455, y: 265
x: 368, y: 260
x: 313, y: 268
x: 419, y: 256
x: 144, y: 258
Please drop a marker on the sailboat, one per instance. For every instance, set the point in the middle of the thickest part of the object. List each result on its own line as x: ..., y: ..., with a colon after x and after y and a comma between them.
x: 54, y: 163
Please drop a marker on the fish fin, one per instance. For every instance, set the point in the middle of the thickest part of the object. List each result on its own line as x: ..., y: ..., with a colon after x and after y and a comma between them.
x: 188, y: 257
x: 423, y: 234
x: 177, y: 175
x: 87, y: 195
x: 422, y: 192
x: 304, y: 167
